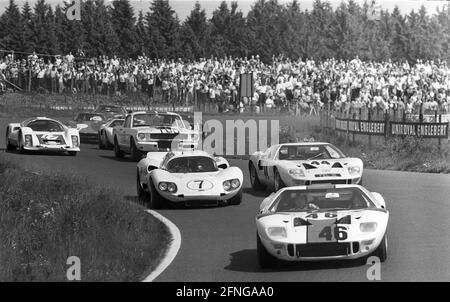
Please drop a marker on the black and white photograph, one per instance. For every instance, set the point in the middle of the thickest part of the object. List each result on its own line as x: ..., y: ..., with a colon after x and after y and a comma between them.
x: 223, y: 147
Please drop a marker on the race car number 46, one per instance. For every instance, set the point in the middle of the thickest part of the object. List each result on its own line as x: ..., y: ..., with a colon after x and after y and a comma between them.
x: 325, y: 231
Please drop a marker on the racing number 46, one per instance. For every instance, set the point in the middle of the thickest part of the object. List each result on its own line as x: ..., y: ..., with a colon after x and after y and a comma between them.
x: 340, y: 233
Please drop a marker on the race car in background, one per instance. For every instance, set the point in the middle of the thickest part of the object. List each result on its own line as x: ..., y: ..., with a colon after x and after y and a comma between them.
x: 321, y: 222
x: 105, y: 133
x: 152, y: 131
x: 89, y: 124
x: 41, y: 133
x: 111, y: 111
x: 294, y: 164
x: 188, y: 177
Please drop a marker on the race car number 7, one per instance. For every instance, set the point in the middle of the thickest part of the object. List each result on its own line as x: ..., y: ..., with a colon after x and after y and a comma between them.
x: 339, y: 233
x: 200, y: 183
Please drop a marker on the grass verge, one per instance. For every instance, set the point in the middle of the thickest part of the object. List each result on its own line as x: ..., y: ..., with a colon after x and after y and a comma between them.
x: 46, y: 218
x: 402, y: 154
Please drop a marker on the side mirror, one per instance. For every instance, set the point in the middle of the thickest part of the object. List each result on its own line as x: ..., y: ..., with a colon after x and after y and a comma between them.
x: 222, y: 163
x: 379, y: 199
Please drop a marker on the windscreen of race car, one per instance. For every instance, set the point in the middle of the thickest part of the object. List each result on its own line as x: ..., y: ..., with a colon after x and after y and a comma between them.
x: 309, y: 152
x: 155, y: 120
x: 321, y: 199
x: 45, y: 126
x: 192, y: 164
x: 83, y: 117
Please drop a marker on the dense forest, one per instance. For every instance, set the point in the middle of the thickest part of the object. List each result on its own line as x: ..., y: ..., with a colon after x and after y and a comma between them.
x: 270, y: 28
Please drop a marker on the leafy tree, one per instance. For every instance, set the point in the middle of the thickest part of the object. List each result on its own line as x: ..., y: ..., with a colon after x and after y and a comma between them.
x: 11, y: 27
x: 123, y: 22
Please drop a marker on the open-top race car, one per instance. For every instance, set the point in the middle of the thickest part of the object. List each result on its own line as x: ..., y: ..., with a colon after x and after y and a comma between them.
x: 105, y: 133
x: 321, y: 222
x: 188, y: 177
x: 152, y: 131
x: 294, y: 164
x: 42, y: 133
x: 111, y: 111
x: 89, y: 123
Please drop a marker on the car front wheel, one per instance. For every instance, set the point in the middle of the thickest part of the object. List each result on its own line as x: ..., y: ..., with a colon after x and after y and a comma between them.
x: 265, y: 259
x: 381, y: 251
x: 9, y: 147
x: 117, y: 152
x: 237, y: 199
x: 156, y: 200
x: 254, y: 179
x: 278, y: 184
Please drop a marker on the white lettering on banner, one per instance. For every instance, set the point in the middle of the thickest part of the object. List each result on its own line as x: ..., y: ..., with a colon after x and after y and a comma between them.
x: 74, y: 11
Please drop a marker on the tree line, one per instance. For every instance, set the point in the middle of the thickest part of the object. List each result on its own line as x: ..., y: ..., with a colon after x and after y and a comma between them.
x: 269, y: 29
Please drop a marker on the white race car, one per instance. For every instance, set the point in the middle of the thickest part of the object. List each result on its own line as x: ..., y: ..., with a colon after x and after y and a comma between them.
x: 44, y: 134
x: 153, y: 131
x: 188, y: 177
x: 294, y: 164
x: 105, y: 133
x: 321, y: 222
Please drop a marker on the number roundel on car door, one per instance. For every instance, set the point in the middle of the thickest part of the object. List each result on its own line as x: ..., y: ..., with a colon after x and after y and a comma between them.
x: 200, y: 185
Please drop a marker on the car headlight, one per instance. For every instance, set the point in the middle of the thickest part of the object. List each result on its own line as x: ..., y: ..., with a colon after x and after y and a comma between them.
x: 226, y: 185
x: 296, y: 172
x: 276, y: 232
x: 368, y: 227
x: 167, y: 187
x: 75, y: 142
x: 28, y: 140
x: 171, y: 187
x: 354, y: 170
x: 231, y: 184
x: 141, y: 136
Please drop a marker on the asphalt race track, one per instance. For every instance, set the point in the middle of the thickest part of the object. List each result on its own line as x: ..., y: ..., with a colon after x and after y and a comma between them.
x: 218, y: 244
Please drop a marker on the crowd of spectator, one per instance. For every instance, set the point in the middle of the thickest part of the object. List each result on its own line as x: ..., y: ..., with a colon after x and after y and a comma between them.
x: 300, y: 86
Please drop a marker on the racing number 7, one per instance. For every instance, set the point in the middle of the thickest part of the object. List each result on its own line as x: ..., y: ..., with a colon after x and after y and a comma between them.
x: 200, y: 184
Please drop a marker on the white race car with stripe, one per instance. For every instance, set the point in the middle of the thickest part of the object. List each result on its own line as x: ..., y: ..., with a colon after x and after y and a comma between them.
x: 294, y: 164
x: 153, y: 131
x: 105, y: 133
x: 42, y: 133
x: 188, y: 177
x: 321, y: 222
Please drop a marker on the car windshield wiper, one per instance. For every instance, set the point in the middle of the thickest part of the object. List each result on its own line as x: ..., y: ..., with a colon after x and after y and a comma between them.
x: 334, y: 209
x: 316, y: 156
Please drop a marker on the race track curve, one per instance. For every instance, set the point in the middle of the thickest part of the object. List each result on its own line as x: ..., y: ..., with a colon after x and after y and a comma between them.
x: 218, y: 244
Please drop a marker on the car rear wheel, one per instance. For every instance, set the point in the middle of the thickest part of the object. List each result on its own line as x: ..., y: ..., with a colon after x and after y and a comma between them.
x: 9, y: 147
x: 265, y: 259
x: 136, y: 154
x: 117, y: 152
x: 254, y: 179
x: 106, y: 142
x: 278, y: 184
x: 381, y: 251
x: 237, y: 199
x: 155, y: 201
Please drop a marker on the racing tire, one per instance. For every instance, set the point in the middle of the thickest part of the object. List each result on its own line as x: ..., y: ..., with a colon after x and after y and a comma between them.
x: 155, y: 201
x: 143, y: 196
x: 106, y: 142
x: 9, y: 147
x: 278, y: 182
x: 254, y: 179
x: 101, y: 145
x: 72, y: 153
x: 135, y: 153
x: 237, y: 199
x: 265, y: 259
x: 117, y: 152
x: 381, y: 251
x: 20, y: 145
